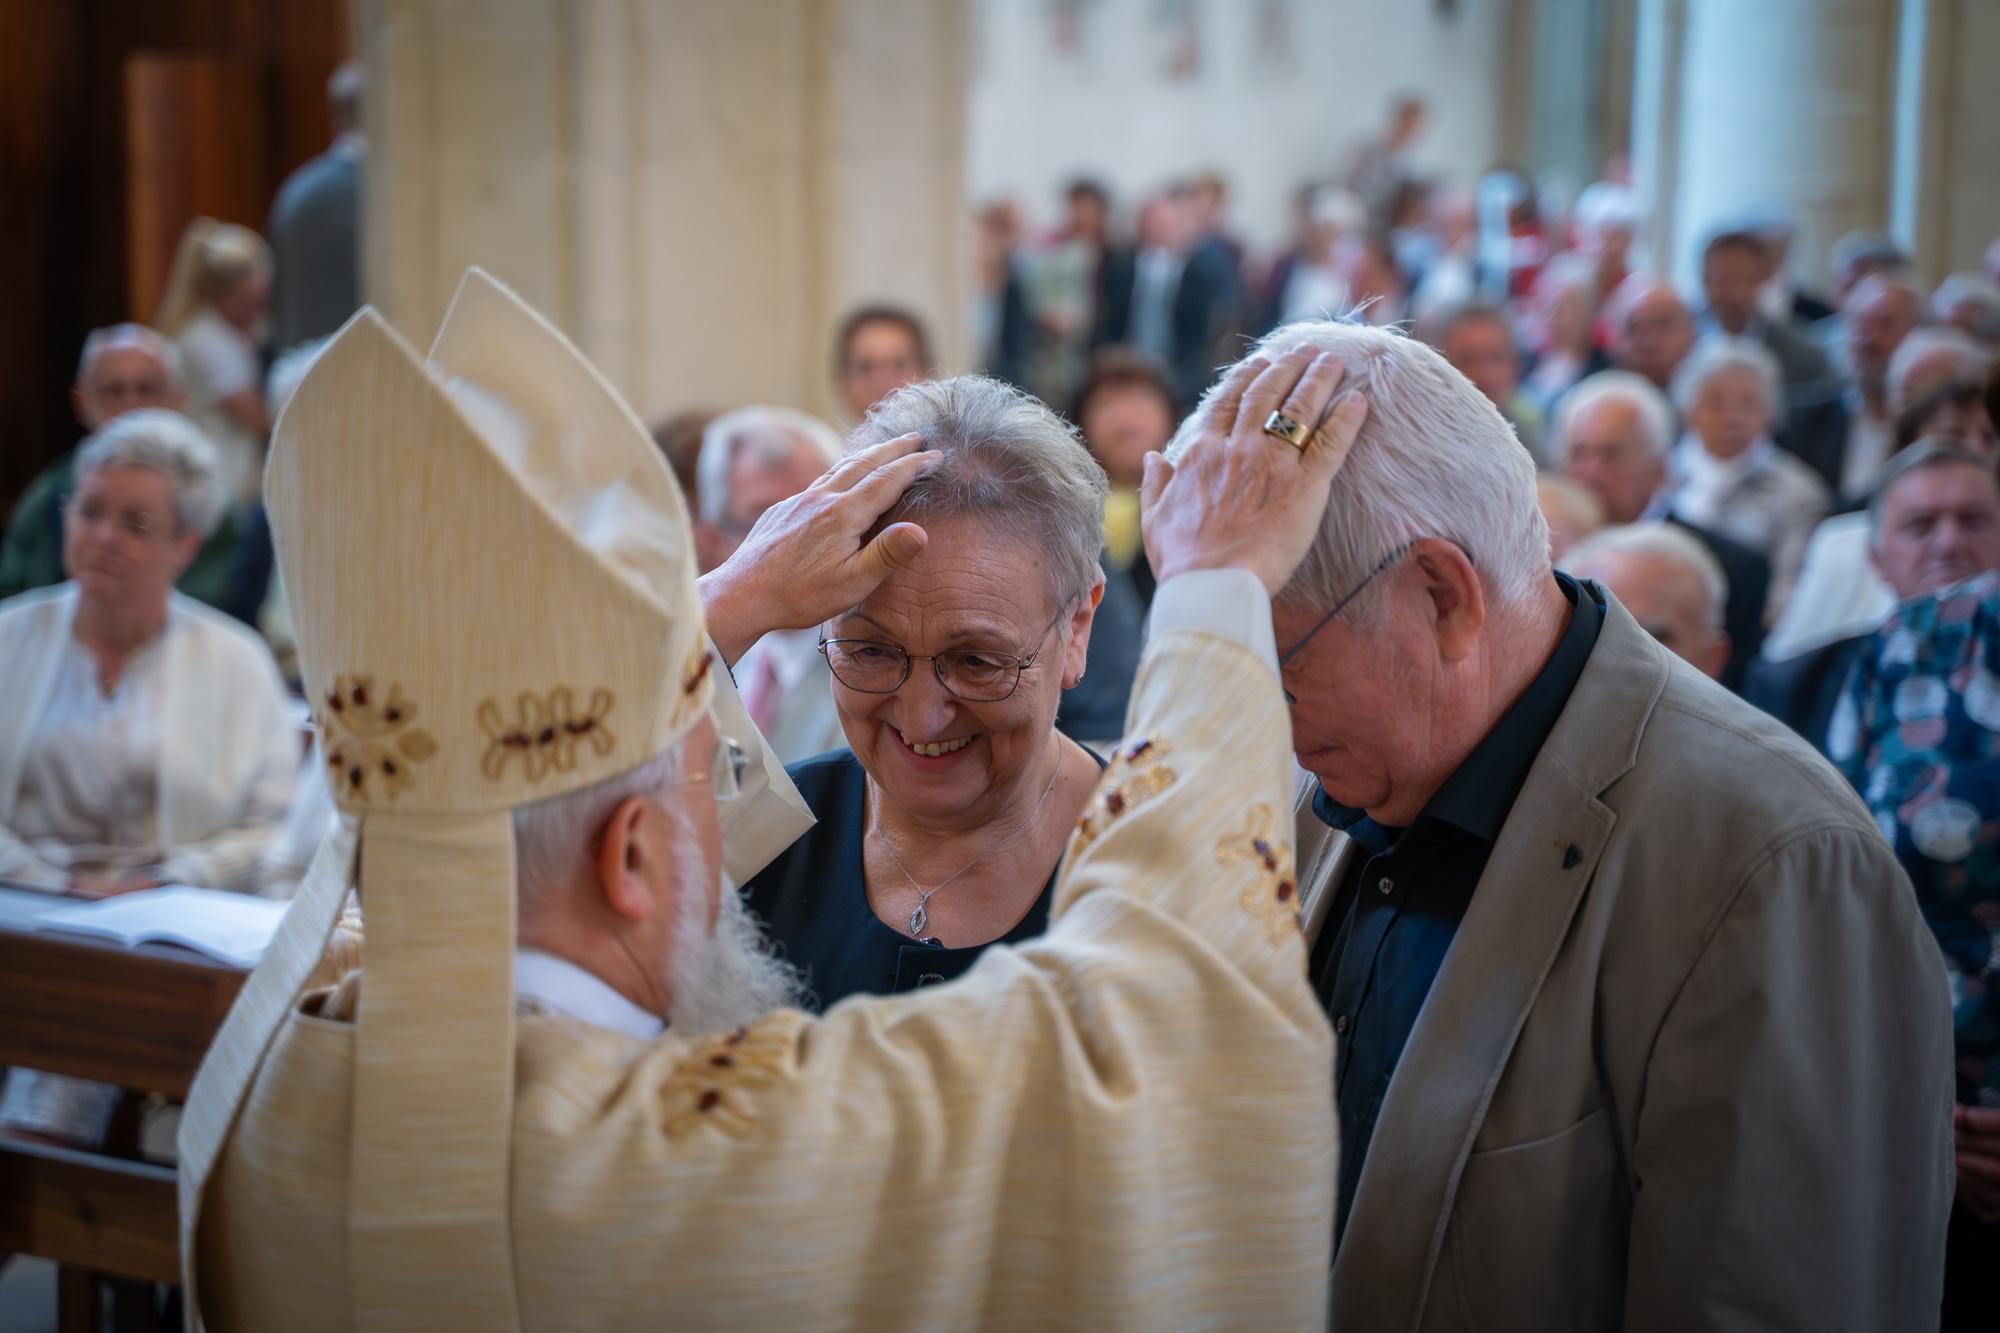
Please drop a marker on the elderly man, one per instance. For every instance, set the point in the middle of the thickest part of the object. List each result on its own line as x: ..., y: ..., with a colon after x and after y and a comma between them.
x: 1653, y: 327
x: 1669, y: 583
x: 497, y: 1133
x: 1934, y: 520
x: 880, y: 349
x: 1879, y: 313
x: 1479, y: 342
x: 752, y: 459
x: 123, y: 368
x: 1640, y: 1025
x: 1612, y: 436
x: 1735, y: 265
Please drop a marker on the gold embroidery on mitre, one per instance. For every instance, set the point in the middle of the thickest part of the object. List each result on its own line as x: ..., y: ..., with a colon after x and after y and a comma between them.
x: 545, y: 732
x: 1133, y: 777
x: 711, y: 1085
x: 368, y: 740
x: 1274, y: 892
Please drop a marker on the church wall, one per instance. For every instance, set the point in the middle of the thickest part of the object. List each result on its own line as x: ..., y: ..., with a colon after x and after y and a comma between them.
x: 1271, y: 93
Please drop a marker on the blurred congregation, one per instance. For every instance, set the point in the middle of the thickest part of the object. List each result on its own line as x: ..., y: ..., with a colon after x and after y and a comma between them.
x: 1770, y: 435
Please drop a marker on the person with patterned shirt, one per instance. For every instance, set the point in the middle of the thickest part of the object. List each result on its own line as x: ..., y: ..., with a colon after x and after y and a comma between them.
x: 1918, y: 734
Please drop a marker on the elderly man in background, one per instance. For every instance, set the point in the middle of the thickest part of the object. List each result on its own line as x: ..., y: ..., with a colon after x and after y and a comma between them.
x: 1479, y: 342
x: 123, y: 368
x: 1934, y: 520
x: 1594, y: 1072
x: 751, y: 459
x: 1613, y: 436
x: 1669, y: 583
x: 1735, y: 264
x: 1878, y: 314
x: 880, y: 349
x: 144, y: 738
x: 1653, y: 328
x: 1728, y: 474
x: 608, y: 1120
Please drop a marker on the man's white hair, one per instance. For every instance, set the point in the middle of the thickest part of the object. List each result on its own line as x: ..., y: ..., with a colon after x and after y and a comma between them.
x: 760, y: 426
x: 1969, y: 361
x: 1665, y: 540
x: 118, y: 337
x: 1720, y: 354
x: 170, y: 444
x: 1656, y: 416
x: 1433, y: 459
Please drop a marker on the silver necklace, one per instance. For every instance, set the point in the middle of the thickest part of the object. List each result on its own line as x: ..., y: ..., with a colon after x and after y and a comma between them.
x: 920, y: 918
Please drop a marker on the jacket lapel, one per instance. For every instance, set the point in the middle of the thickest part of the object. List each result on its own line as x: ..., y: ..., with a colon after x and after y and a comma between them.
x: 1517, y: 922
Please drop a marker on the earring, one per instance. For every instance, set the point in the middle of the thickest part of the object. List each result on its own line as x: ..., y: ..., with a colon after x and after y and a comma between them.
x: 1073, y: 684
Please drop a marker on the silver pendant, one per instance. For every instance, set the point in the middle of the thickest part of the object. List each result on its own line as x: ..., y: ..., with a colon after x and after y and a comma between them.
x: 917, y: 921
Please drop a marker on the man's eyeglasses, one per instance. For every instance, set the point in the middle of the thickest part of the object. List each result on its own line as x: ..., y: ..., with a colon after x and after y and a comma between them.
x: 1338, y: 607
x: 976, y: 675
x: 726, y: 766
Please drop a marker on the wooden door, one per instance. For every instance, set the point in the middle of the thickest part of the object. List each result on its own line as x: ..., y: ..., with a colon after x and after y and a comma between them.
x: 195, y: 146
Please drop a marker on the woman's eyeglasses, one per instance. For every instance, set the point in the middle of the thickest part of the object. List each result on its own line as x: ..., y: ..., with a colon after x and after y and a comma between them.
x: 976, y: 675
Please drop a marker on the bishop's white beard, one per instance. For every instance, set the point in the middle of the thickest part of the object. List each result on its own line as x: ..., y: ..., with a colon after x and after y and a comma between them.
x: 726, y: 979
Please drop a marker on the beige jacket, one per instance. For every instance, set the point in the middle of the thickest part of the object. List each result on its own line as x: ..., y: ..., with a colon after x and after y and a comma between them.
x: 1127, y: 1123
x: 1688, y: 1064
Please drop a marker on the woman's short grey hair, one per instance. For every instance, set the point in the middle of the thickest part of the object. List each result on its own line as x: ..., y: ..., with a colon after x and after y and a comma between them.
x: 1006, y: 459
x: 1669, y: 542
x: 1434, y: 459
x: 168, y: 443
x: 1718, y: 355
x: 1656, y: 418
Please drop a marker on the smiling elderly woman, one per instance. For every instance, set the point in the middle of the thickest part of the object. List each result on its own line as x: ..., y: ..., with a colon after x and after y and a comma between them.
x: 941, y: 832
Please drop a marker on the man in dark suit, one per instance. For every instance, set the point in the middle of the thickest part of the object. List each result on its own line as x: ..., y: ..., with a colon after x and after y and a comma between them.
x: 1177, y: 298
x: 1734, y: 265
x: 1611, y: 435
x: 315, y: 229
x: 1935, y: 520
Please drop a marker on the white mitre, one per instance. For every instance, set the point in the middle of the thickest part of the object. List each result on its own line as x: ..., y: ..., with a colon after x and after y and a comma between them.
x: 494, y: 588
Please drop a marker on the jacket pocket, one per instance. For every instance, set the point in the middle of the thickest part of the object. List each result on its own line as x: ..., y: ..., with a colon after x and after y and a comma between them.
x: 1537, y: 1237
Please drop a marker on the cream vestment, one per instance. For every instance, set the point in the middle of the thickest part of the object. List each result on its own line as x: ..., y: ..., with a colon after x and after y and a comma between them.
x: 1127, y: 1123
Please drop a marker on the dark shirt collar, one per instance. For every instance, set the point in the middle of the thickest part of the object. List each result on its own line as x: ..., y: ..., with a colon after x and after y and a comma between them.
x: 1477, y: 797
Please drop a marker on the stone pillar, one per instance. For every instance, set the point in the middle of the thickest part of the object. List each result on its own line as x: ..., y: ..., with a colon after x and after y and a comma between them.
x: 694, y: 190
x: 1845, y: 113
x: 1785, y: 102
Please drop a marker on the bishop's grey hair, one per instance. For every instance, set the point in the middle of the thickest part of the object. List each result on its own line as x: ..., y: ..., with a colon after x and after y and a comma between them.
x: 1005, y: 458
x: 552, y: 837
x: 1434, y: 459
x: 168, y: 443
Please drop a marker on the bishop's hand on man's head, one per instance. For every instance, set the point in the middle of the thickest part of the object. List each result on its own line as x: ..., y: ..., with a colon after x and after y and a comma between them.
x: 1241, y: 494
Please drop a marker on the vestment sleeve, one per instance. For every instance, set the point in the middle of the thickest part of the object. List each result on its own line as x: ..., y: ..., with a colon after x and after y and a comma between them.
x: 1802, y: 1167
x: 1126, y: 1124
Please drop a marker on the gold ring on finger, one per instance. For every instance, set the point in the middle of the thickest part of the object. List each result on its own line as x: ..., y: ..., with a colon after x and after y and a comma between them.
x: 1288, y: 429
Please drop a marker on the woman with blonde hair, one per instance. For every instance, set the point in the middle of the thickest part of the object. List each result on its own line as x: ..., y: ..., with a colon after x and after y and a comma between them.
x: 214, y: 309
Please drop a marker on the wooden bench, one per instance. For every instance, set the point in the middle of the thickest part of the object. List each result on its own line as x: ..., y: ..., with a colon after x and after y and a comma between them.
x: 139, y: 1018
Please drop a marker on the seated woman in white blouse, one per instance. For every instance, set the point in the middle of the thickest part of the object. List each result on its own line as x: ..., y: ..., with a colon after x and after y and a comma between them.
x: 143, y: 736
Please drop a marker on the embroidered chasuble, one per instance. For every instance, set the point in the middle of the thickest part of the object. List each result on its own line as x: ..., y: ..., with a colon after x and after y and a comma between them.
x: 1126, y: 1123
